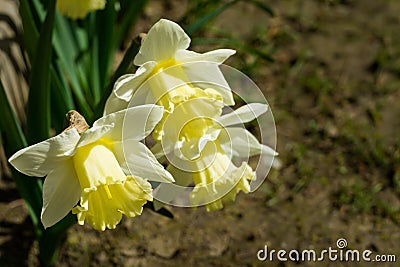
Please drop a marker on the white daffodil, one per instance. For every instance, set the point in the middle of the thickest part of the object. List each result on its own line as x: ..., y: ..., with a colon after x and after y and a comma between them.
x: 166, y: 63
x: 200, y: 145
x: 78, y: 9
x: 105, y: 169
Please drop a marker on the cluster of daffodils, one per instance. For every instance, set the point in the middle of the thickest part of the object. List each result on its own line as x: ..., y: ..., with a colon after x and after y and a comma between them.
x: 197, y: 141
x: 177, y: 97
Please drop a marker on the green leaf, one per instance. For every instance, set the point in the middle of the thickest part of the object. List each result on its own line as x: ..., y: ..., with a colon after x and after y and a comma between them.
x: 69, y: 41
x: 199, y: 23
x: 92, y: 66
x: 29, y: 188
x: 38, y: 112
x: 61, y: 99
x: 31, y: 33
x: 262, y: 6
x: 198, y: 9
x: 130, y: 11
x: 105, y: 21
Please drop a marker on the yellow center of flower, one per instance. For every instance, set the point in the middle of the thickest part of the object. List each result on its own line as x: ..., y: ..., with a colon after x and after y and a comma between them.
x: 95, y: 164
x: 165, y: 65
x: 166, y: 76
x: 185, y: 101
x: 107, y: 192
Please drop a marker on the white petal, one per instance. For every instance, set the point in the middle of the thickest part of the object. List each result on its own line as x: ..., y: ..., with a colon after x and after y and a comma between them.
x: 61, y: 192
x: 138, y: 159
x: 243, y: 114
x: 132, y: 123
x: 217, y: 56
x: 142, y: 96
x: 239, y: 142
x: 208, y: 75
x: 127, y: 85
x: 93, y: 134
x: 161, y: 42
x: 268, y: 151
x: 40, y: 159
x: 114, y: 104
x: 140, y: 121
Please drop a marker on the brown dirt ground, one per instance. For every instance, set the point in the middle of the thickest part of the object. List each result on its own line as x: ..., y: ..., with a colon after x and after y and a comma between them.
x: 334, y: 91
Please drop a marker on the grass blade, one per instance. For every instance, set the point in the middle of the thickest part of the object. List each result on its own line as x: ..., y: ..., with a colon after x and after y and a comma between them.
x: 262, y: 6
x: 199, y: 23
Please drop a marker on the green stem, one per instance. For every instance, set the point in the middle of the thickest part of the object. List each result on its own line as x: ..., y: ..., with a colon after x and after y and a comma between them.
x: 52, y: 237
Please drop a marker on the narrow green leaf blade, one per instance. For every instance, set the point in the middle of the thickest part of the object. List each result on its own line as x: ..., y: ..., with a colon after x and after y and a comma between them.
x: 262, y: 6
x: 105, y: 21
x: 38, y: 112
x: 130, y: 11
x: 200, y: 23
x: 29, y: 188
x: 31, y: 34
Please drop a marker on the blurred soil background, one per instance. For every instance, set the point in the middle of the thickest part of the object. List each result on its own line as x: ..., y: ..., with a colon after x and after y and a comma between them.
x: 331, y: 73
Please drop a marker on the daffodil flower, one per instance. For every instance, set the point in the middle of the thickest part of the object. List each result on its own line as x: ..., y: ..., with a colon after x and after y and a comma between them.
x: 200, y: 145
x: 217, y: 180
x: 105, y: 169
x: 164, y: 58
x: 78, y: 9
